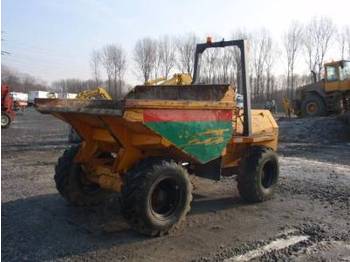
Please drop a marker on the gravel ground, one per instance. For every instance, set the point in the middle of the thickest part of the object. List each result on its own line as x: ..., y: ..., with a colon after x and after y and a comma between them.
x: 313, y: 201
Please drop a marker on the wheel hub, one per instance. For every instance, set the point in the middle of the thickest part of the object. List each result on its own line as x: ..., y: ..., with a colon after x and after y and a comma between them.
x: 311, y: 108
x: 165, y: 198
x: 4, y: 120
x: 268, y: 175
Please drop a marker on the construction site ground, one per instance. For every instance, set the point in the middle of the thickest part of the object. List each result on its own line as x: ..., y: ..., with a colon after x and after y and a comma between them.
x: 307, y: 220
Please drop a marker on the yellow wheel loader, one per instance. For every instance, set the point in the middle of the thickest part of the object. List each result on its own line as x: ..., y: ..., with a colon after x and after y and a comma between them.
x: 147, y: 145
x: 330, y: 95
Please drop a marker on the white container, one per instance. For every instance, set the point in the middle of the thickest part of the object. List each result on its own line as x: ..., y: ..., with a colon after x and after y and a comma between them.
x: 67, y: 95
x: 71, y: 95
x: 19, y: 96
x: 36, y: 94
x: 52, y: 95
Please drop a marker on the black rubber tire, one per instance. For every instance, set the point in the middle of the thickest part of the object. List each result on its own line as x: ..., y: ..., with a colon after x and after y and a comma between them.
x: 69, y: 177
x: 8, y: 120
x: 339, y: 106
x: 141, y: 182
x: 319, y: 104
x: 253, y: 184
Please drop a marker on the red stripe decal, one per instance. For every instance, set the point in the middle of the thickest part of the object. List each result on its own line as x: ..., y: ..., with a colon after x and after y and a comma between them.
x: 183, y: 115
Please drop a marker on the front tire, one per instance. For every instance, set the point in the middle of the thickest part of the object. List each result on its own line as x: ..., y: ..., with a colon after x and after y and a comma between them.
x: 72, y: 184
x: 156, y: 196
x: 313, y: 105
x: 258, y: 174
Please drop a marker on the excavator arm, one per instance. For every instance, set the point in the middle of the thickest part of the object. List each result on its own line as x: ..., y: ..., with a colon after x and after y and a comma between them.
x: 177, y: 79
x: 93, y: 94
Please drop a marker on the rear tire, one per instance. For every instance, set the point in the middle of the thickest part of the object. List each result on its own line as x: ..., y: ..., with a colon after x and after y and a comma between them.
x: 258, y: 174
x: 313, y: 105
x: 156, y: 196
x: 72, y: 184
x: 5, y: 120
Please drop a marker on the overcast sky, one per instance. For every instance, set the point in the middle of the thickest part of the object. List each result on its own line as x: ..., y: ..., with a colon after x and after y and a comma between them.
x: 53, y: 39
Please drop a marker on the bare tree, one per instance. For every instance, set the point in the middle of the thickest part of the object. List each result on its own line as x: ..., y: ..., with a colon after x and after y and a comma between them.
x: 108, y: 65
x: 292, y: 41
x: 95, y: 62
x: 119, y: 66
x: 343, y: 39
x: 3, y: 52
x: 21, y: 82
x: 237, y: 67
x: 145, y: 57
x: 261, y: 45
x: 347, y: 33
x: 317, y: 37
x: 186, y: 47
x: 270, y: 57
x: 166, y: 53
x: 225, y: 64
x: 156, y: 72
x: 71, y: 85
x: 114, y: 61
x: 208, y: 65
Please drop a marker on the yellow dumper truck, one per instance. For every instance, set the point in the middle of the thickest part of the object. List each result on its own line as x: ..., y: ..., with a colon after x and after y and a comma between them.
x: 148, y: 144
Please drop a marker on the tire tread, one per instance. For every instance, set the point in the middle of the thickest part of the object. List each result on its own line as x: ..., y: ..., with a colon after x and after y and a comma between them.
x: 134, y: 189
x: 248, y: 185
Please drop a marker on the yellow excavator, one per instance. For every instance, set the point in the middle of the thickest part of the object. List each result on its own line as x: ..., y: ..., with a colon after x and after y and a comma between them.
x: 94, y: 94
x: 177, y: 79
x: 99, y: 92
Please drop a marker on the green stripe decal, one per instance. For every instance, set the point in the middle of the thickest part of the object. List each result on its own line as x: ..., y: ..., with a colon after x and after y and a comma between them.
x: 204, y: 140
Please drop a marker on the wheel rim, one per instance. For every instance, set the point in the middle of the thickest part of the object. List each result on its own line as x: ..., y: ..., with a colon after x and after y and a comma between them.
x: 311, y: 108
x: 268, y: 177
x: 4, y: 120
x: 165, y: 198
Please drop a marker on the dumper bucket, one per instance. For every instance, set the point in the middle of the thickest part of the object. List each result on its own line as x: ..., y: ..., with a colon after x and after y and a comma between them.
x: 195, y: 121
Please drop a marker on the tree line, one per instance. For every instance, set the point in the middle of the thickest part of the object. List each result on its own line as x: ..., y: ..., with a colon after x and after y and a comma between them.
x: 21, y: 82
x: 151, y: 58
x: 304, y: 43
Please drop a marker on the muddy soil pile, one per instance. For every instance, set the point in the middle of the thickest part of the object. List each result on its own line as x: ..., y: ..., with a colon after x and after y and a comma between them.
x: 320, y: 130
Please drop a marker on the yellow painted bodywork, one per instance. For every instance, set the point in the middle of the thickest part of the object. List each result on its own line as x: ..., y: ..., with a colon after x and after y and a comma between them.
x: 343, y: 85
x: 128, y: 140
x: 339, y: 84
